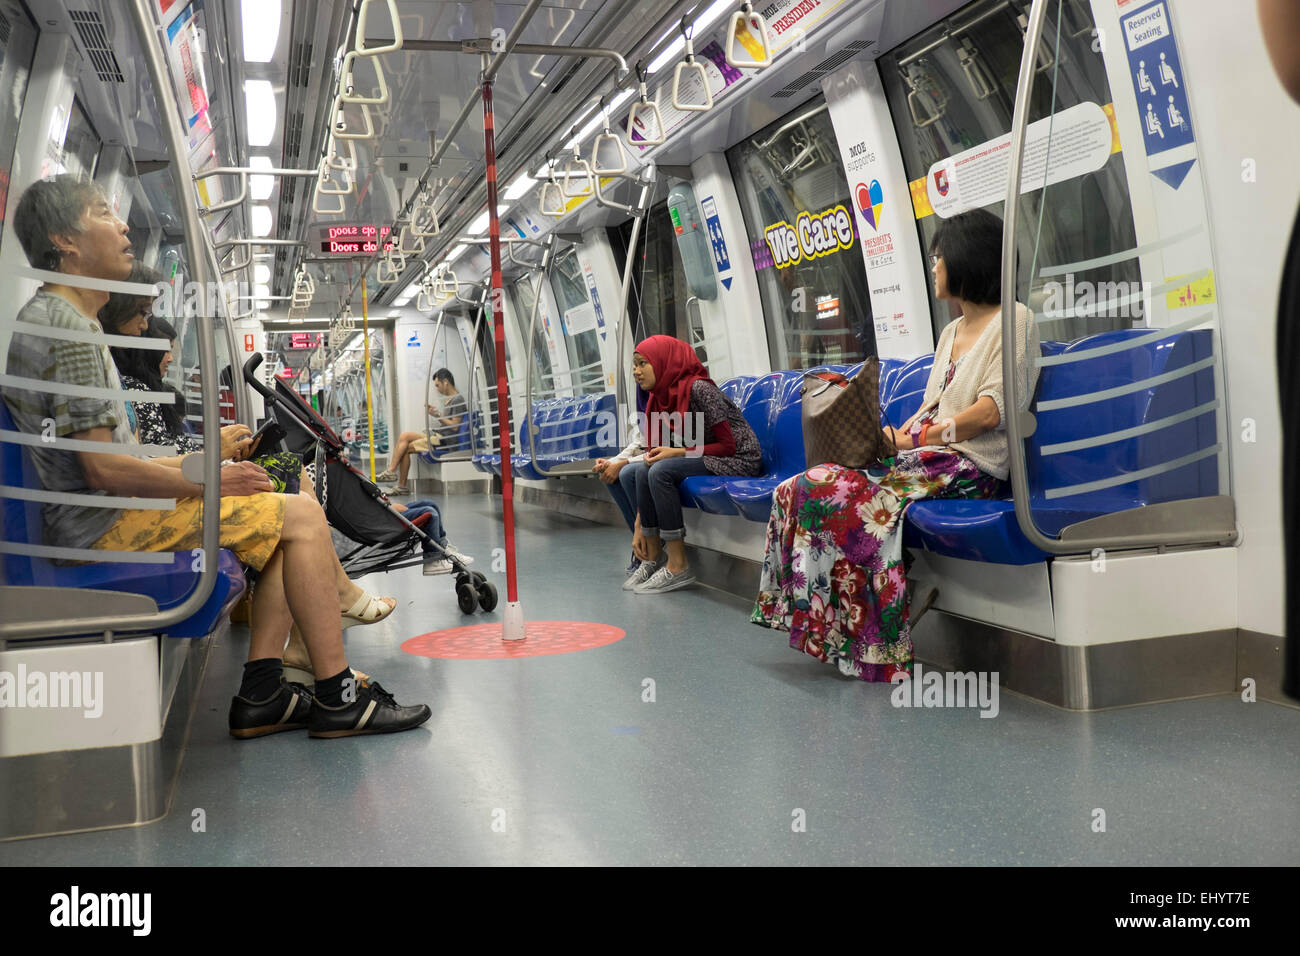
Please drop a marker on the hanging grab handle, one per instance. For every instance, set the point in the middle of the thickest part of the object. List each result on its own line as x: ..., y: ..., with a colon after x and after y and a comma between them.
x: 612, y: 146
x: 743, y: 21
x: 690, y: 66
x: 923, y: 115
x: 389, y: 270
x: 393, y: 47
x: 424, y: 222
x: 577, y: 167
x: 324, y: 180
x: 644, y: 110
x: 403, y: 249
x: 341, y: 123
x: 347, y: 82
x: 976, y: 73
x: 551, y: 201
x: 446, y: 284
x: 335, y: 161
x: 322, y: 210
x: 424, y: 301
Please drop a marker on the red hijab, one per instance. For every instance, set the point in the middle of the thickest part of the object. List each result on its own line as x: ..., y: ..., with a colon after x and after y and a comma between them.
x: 676, y: 368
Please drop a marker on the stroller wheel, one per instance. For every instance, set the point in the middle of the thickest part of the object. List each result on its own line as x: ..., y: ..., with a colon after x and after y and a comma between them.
x: 463, y: 580
x: 479, y: 579
x: 466, y: 598
x: 487, y: 596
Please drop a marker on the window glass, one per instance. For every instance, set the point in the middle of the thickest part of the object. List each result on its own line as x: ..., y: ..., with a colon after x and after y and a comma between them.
x: 803, y: 238
x: 17, y: 50
x: 952, y: 88
x: 81, y: 145
x: 523, y: 297
x: 578, y: 322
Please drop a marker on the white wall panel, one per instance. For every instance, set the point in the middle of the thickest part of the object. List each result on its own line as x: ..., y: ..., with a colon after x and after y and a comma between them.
x: 1244, y: 121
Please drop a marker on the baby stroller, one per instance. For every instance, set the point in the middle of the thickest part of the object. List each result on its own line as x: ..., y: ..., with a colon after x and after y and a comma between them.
x: 379, y: 538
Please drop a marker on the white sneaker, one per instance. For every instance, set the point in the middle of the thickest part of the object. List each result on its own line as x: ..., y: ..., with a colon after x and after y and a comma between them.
x: 665, y: 580
x: 454, y: 552
x: 436, y: 565
x: 641, y: 575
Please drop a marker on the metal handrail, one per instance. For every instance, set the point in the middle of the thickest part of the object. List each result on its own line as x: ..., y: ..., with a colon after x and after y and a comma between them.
x: 243, y: 172
x: 1020, y: 424
x: 647, y: 184
x: 428, y: 378
x: 159, y: 620
x: 481, y: 306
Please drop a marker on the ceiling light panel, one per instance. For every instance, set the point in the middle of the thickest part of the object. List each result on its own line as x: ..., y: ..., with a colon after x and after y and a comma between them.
x: 261, y: 25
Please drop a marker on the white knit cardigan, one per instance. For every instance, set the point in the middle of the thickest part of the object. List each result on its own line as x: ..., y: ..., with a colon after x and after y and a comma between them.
x: 979, y: 373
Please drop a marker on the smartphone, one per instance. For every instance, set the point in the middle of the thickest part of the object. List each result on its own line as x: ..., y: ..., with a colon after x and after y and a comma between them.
x: 271, y: 431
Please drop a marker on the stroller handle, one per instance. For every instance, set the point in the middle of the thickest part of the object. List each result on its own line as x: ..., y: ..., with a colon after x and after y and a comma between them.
x: 305, y: 416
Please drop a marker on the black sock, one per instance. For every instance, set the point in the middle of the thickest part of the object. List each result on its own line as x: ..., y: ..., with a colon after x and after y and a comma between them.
x: 330, y: 690
x: 261, y: 678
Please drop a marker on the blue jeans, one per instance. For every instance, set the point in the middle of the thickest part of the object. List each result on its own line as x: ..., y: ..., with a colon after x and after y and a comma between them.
x: 654, y: 489
x: 434, y: 528
x: 624, y: 497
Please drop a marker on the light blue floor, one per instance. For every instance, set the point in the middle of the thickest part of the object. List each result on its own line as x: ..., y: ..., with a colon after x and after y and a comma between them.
x: 744, y: 732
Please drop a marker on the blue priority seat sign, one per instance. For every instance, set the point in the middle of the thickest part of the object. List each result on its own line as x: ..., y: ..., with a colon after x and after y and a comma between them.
x: 1157, y: 76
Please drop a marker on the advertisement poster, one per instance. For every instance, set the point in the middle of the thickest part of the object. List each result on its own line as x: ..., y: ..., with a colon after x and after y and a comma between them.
x: 897, y: 276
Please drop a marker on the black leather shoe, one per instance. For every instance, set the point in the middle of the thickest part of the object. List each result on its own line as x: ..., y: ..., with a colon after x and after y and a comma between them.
x: 373, y: 712
x: 289, y: 708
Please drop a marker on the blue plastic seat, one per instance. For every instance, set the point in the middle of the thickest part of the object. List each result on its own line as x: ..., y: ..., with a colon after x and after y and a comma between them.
x: 168, y: 584
x: 709, y: 492
x: 901, y: 393
x: 783, y: 449
x: 985, y: 530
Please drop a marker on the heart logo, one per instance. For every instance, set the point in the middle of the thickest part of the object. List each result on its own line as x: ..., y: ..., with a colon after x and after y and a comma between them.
x: 871, y: 200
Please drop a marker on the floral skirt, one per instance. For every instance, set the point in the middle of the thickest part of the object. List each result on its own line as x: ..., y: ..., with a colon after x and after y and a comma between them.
x: 833, y: 572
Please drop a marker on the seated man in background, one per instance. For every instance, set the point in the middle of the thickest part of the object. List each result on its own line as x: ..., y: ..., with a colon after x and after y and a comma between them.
x: 67, y: 225
x: 445, y: 431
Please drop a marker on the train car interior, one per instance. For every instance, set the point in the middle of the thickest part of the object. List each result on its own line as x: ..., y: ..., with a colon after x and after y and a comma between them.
x: 441, y: 246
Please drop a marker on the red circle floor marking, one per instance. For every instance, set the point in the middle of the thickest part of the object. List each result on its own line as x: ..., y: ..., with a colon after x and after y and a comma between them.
x: 483, y: 641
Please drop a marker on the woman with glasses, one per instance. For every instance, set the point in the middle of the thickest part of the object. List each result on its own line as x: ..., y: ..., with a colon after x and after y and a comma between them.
x: 833, y: 573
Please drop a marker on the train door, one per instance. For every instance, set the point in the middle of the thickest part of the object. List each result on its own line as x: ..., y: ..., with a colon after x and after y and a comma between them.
x: 578, y: 327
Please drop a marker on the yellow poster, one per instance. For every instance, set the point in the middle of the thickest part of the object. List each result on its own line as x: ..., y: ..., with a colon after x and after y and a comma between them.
x: 1197, y: 290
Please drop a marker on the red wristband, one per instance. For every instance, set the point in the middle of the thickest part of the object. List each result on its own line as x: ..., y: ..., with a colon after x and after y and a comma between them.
x: 922, y: 442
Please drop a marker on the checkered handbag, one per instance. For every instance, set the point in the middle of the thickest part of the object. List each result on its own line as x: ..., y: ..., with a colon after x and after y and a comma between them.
x: 841, y: 418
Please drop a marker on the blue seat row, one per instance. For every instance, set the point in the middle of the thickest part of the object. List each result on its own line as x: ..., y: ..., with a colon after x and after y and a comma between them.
x: 566, y: 430
x: 1078, y: 455
x: 461, y: 444
x: 168, y: 584
x: 772, y: 405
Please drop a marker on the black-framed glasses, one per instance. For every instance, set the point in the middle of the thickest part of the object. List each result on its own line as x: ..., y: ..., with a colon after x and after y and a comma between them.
x: 934, y: 259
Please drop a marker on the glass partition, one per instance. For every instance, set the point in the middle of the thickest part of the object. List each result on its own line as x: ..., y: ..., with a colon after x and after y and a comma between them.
x: 523, y: 297
x: 17, y: 51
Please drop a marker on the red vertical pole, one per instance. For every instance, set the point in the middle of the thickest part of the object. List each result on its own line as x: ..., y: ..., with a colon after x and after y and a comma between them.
x: 514, y: 622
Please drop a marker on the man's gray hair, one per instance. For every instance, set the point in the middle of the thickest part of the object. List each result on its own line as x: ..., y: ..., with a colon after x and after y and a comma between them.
x: 51, y: 207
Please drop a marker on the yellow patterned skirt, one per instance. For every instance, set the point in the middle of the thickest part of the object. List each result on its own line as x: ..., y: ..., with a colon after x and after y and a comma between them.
x: 250, y: 527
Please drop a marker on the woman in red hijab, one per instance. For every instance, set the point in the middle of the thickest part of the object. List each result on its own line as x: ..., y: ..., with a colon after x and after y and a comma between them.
x: 689, y: 428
